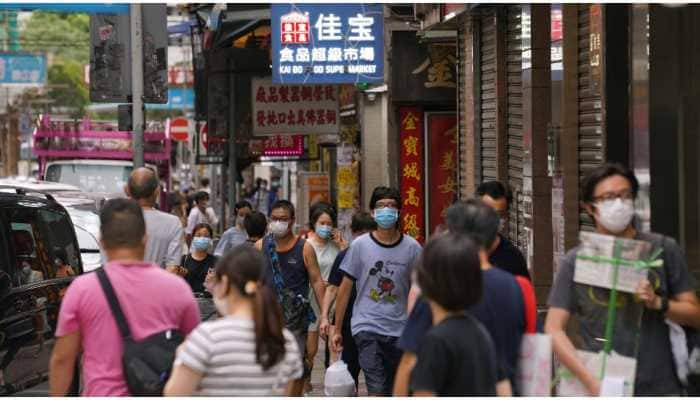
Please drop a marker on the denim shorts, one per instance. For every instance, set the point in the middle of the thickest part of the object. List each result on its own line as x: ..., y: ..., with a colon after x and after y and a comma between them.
x: 379, y: 358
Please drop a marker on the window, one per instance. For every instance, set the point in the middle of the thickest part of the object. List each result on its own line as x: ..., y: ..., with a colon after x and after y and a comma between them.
x: 42, y: 245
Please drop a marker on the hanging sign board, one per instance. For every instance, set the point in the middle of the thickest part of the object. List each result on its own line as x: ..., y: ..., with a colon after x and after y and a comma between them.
x: 293, y: 109
x: 327, y: 43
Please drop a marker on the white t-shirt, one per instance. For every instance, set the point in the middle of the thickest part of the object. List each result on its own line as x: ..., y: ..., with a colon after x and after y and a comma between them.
x: 224, y: 352
x: 164, y: 238
x: 196, y: 217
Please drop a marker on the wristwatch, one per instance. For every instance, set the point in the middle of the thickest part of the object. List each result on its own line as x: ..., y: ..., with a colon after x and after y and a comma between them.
x: 664, y: 305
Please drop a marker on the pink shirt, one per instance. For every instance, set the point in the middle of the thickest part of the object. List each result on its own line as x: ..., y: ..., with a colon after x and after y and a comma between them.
x: 152, y: 300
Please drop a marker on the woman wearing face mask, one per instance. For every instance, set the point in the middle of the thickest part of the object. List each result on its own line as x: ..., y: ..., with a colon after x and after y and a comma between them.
x: 327, y: 242
x: 247, y: 352
x: 196, y: 264
x: 667, y: 295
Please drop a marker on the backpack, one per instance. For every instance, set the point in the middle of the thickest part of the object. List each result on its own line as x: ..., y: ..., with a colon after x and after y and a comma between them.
x: 146, y: 364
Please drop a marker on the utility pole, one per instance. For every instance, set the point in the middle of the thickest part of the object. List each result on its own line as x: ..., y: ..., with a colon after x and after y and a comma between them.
x: 137, y: 83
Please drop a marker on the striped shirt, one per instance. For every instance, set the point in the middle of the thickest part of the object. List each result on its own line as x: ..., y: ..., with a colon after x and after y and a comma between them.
x: 224, y: 352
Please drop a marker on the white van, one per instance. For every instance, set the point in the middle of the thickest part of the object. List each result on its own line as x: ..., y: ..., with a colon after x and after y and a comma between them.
x: 92, y: 176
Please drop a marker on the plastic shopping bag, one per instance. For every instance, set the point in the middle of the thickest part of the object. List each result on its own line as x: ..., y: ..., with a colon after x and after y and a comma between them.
x: 339, y: 382
x: 535, y: 365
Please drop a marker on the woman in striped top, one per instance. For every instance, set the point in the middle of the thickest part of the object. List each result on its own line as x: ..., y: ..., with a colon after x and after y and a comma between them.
x: 245, y: 353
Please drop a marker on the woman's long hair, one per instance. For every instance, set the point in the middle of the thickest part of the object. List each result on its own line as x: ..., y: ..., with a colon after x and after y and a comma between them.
x: 244, y: 264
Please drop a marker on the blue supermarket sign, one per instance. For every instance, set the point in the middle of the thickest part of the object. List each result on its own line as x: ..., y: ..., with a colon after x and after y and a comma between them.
x: 327, y: 43
x: 22, y: 69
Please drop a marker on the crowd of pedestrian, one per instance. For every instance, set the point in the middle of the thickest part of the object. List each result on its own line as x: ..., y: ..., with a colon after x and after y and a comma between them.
x: 444, y: 318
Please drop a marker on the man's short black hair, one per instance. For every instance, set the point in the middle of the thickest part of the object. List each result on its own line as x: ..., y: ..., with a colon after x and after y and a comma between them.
x: 603, y: 172
x: 200, y: 196
x: 319, y: 208
x: 204, y: 181
x: 242, y: 204
x: 383, y: 192
x: 362, y: 221
x: 122, y: 224
x: 449, y: 272
x: 255, y: 224
x: 496, y: 190
x: 143, y: 186
x: 286, y: 204
x: 475, y: 219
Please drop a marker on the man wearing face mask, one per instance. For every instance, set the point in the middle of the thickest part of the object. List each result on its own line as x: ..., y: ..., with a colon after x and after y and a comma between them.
x: 236, y: 234
x: 296, y: 261
x: 505, y: 256
x: 379, y: 264
x: 608, y: 196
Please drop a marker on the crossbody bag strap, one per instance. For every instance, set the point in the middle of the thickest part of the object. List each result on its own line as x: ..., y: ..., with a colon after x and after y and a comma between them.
x: 113, y: 303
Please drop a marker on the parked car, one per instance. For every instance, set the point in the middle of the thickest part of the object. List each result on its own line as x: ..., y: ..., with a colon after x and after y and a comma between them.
x: 39, y: 258
x: 63, y: 192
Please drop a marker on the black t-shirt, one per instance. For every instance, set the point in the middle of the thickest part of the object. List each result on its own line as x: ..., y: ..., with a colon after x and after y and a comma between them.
x: 509, y: 258
x: 336, y: 278
x: 501, y: 310
x: 457, y: 359
x: 197, y: 271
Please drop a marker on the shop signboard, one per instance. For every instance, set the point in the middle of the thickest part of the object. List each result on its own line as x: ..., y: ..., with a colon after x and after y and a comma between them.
x: 412, y: 179
x: 280, y: 109
x: 22, y: 69
x: 442, y: 166
x: 327, y: 43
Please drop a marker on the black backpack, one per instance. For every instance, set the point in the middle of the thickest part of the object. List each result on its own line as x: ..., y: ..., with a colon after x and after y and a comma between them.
x: 146, y: 364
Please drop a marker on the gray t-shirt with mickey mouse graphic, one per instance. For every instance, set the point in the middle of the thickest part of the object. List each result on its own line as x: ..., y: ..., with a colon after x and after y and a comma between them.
x: 382, y: 274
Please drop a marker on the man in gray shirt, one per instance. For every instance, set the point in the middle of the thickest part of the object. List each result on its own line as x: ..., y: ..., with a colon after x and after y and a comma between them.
x: 164, y: 235
x: 668, y: 294
x: 380, y: 264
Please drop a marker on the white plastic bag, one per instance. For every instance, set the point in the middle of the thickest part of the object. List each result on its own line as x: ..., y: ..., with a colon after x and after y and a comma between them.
x: 535, y: 365
x: 338, y: 381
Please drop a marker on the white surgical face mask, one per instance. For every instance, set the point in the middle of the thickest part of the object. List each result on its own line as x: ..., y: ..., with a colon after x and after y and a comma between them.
x: 615, y: 215
x: 279, y: 228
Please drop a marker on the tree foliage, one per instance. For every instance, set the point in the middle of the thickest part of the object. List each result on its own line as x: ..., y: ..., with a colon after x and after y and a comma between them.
x: 64, y: 35
x: 65, y: 38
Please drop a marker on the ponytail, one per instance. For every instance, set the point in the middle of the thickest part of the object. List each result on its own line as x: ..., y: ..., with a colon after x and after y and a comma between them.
x: 244, y: 266
x: 269, y: 337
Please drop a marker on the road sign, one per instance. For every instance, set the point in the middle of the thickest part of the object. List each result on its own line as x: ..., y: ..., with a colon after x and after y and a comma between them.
x: 22, y: 69
x: 179, y: 129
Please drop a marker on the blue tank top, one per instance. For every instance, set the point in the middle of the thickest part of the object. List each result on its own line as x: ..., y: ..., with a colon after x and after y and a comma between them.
x: 292, y: 267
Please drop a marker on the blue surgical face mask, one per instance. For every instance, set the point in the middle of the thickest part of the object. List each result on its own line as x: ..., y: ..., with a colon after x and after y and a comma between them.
x: 201, y: 243
x: 386, y: 217
x: 324, y: 231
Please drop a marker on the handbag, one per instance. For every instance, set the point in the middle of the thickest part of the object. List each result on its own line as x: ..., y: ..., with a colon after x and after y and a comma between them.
x: 146, y: 364
x: 296, y: 309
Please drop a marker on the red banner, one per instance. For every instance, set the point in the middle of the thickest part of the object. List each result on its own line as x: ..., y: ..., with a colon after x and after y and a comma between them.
x: 412, y: 179
x: 442, y: 166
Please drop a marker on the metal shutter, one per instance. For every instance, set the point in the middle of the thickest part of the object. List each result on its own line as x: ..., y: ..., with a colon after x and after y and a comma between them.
x: 514, y: 115
x: 487, y: 98
x: 461, y: 123
x: 591, y: 139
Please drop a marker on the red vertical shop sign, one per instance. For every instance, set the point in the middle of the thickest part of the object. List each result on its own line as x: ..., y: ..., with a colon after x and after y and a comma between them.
x: 442, y: 166
x: 412, y: 209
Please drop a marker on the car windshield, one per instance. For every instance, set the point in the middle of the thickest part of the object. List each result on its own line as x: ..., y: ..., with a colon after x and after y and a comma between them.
x: 91, y: 177
x: 87, y: 228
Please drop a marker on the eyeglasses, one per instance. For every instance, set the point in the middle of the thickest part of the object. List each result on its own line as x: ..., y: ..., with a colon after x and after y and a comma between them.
x: 390, y: 204
x: 624, y: 195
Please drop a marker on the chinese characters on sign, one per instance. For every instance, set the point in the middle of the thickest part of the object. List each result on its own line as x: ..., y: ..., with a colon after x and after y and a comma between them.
x: 412, y: 209
x: 439, y: 65
x: 339, y: 43
x: 294, y: 109
x: 283, y: 145
x: 595, y: 49
x: 442, y: 131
